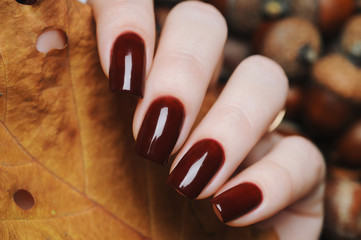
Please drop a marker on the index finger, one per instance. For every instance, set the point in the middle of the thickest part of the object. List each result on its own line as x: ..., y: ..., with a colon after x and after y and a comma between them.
x: 126, y: 38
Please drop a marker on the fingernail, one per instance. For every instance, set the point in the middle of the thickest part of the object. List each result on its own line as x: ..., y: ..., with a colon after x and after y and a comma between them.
x: 197, y: 168
x: 238, y: 201
x: 160, y: 129
x: 127, y: 66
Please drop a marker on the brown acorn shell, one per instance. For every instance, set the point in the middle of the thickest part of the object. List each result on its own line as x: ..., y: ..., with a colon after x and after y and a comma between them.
x: 343, y: 209
x: 325, y: 113
x: 334, y: 13
x: 349, y: 147
x: 294, y: 101
x: 284, y: 41
x: 339, y: 75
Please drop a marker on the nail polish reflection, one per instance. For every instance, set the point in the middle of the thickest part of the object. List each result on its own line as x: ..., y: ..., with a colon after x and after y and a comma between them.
x: 160, y: 129
x: 197, y: 167
x: 193, y: 171
x: 128, y: 71
x: 160, y: 124
x: 127, y: 65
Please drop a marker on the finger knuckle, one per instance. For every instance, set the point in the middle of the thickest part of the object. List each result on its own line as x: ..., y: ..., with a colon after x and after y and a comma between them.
x: 186, y: 58
x: 237, y: 118
x: 285, y: 177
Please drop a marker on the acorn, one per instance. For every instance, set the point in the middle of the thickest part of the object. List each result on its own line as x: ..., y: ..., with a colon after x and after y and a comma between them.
x: 294, y: 43
x: 351, y: 40
x: 336, y: 73
x: 341, y: 173
x: 343, y: 207
x: 244, y: 15
x: 349, y: 147
x: 325, y: 114
x: 329, y: 15
x: 333, y: 98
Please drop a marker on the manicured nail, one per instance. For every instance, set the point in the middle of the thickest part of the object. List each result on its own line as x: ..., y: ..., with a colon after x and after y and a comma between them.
x: 238, y: 201
x: 197, y: 168
x: 127, y: 66
x: 160, y: 129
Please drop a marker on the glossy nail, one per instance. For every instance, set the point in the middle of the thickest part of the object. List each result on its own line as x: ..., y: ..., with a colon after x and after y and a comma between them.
x: 160, y: 129
x: 127, y: 67
x: 197, y: 167
x: 237, y: 201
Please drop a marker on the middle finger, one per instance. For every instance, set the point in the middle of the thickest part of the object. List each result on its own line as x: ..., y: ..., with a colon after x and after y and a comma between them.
x: 189, y: 49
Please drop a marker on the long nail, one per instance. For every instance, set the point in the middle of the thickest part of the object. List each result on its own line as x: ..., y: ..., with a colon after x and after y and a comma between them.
x: 197, y: 168
x: 160, y: 129
x: 238, y: 201
x: 127, y: 67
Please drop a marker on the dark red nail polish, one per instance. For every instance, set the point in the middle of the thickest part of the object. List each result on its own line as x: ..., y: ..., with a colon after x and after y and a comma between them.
x: 127, y: 66
x: 27, y: 2
x: 238, y: 201
x: 160, y: 129
x: 197, y: 168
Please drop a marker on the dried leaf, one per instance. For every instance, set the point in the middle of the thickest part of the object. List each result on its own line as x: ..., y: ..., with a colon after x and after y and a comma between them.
x: 67, y: 140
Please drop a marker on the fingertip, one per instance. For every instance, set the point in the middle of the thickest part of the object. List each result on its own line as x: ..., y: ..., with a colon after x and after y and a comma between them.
x: 267, y: 67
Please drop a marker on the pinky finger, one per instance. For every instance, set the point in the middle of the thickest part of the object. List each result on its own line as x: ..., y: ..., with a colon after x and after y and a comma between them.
x: 285, y: 178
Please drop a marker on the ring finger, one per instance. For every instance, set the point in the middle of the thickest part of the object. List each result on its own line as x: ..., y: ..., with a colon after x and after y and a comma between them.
x: 247, y: 106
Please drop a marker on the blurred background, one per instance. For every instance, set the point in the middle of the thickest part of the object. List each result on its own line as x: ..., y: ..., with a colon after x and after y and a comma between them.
x: 318, y: 43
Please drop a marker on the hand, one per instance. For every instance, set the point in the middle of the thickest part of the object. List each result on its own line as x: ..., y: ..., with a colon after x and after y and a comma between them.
x: 282, y: 178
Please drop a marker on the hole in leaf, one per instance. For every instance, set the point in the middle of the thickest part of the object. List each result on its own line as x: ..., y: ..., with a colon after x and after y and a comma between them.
x: 24, y: 199
x: 27, y: 2
x: 51, y: 39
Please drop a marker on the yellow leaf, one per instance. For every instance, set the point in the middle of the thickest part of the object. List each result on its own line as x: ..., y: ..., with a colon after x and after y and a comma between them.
x: 66, y: 140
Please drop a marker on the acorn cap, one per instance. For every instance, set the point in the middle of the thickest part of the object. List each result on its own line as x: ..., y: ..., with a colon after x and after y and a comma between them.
x: 339, y: 75
x: 294, y: 43
x: 351, y: 39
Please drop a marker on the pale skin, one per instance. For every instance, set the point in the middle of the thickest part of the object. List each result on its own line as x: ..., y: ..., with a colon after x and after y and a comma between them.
x: 290, y: 171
